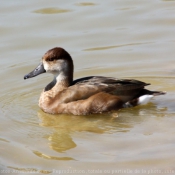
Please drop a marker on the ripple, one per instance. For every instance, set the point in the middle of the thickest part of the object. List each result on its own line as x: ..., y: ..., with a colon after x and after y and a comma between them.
x: 111, y: 47
x: 18, y: 115
x: 128, y: 8
x: 23, y: 170
x: 4, y: 140
x: 28, y: 170
x: 86, y: 4
x: 51, y: 157
x: 51, y: 10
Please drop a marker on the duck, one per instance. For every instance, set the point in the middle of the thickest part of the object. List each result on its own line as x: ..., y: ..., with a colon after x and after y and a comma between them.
x: 86, y: 95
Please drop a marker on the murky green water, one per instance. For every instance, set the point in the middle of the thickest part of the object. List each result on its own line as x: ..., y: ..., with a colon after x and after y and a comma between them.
x: 127, y: 39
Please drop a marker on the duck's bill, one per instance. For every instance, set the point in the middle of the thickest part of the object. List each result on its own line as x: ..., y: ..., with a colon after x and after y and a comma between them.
x: 38, y: 70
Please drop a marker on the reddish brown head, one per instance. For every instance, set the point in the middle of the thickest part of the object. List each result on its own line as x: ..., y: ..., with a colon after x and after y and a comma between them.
x: 56, y: 61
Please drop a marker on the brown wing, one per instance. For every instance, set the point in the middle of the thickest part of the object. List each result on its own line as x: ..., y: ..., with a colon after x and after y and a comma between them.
x: 120, y: 84
x: 83, y: 88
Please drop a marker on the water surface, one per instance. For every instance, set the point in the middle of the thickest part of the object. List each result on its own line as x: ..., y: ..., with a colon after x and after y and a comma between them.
x: 126, y: 39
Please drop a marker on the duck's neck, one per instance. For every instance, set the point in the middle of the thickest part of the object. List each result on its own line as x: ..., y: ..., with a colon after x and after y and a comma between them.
x: 63, y: 80
x: 60, y: 82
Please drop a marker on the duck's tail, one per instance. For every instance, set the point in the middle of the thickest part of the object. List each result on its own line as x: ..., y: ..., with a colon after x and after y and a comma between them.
x: 156, y: 93
x: 143, y: 98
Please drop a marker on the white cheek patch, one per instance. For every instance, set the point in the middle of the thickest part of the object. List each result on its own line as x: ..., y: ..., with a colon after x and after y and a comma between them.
x: 46, y: 67
x: 144, y: 99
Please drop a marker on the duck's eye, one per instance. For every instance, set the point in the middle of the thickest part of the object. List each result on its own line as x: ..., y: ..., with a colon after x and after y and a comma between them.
x: 51, y: 59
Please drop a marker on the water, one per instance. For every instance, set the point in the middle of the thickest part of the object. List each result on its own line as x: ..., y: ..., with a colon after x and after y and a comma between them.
x: 126, y: 39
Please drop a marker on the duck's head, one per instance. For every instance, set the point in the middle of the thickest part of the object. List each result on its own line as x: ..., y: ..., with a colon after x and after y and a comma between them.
x: 56, y: 61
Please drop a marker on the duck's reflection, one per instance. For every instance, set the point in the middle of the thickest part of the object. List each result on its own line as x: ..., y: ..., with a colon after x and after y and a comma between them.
x: 66, y: 125
x: 60, y: 141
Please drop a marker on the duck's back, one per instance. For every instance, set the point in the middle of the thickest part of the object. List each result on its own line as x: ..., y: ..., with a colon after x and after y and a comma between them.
x: 126, y: 89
